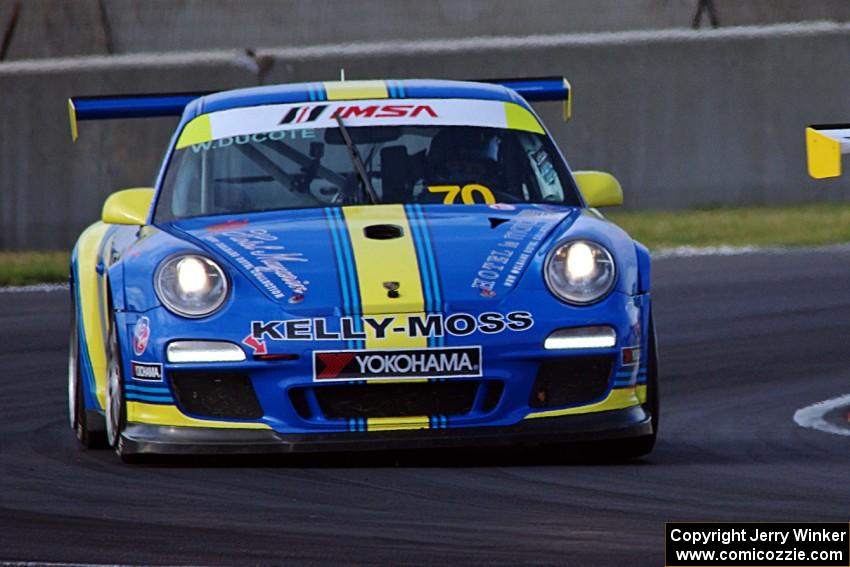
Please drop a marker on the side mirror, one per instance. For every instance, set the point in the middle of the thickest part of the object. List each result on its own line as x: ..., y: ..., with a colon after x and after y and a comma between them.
x: 598, y: 188
x: 129, y: 206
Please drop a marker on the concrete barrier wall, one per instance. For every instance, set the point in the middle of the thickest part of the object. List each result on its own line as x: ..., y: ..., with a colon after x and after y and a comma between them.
x: 59, y: 28
x: 50, y: 188
x: 684, y: 119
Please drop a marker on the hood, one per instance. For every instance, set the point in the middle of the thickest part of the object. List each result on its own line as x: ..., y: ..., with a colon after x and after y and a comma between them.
x: 382, y: 258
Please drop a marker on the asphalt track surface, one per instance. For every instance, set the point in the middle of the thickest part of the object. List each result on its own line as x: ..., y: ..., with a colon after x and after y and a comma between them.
x: 745, y: 341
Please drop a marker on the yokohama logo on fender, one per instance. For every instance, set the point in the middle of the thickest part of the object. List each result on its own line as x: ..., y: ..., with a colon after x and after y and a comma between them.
x: 452, y: 362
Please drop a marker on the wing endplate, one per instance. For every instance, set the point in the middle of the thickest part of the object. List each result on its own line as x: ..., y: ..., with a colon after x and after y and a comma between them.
x: 825, y: 144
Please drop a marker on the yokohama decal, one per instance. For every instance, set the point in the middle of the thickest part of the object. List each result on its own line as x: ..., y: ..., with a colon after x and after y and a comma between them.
x: 453, y: 362
x: 146, y: 371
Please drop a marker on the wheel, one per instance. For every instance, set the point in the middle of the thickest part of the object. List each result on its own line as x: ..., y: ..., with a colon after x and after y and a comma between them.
x: 116, y: 405
x: 653, y: 404
x: 90, y: 435
x: 625, y: 449
x: 639, y: 446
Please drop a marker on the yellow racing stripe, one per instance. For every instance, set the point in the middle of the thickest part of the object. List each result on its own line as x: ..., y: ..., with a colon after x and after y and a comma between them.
x: 355, y: 90
x: 618, y: 398
x: 158, y: 414
x: 396, y: 423
x: 379, y: 262
x: 519, y: 118
x: 197, y: 131
x: 641, y: 393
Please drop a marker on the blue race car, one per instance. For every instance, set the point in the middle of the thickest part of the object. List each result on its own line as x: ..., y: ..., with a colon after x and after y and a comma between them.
x: 359, y: 265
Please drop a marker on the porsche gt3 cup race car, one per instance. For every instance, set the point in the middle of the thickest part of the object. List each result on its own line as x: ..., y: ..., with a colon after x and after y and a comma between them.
x: 359, y: 265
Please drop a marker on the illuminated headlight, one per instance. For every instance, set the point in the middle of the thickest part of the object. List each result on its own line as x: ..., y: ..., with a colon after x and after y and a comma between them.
x: 191, y: 285
x: 204, y: 351
x: 580, y: 272
x: 581, y: 338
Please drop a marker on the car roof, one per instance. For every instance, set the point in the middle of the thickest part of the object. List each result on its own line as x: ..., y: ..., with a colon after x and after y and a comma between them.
x: 350, y: 90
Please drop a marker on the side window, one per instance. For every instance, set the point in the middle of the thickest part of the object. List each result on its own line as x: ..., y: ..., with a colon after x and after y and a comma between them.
x: 544, y: 172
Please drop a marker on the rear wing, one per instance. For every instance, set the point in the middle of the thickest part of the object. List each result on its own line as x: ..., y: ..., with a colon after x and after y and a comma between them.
x: 126, y: 106
x: 541, y: 89
x: 156, y: 105
x: 825, y: 144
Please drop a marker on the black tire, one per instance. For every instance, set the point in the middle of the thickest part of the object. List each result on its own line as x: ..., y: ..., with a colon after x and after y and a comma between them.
x: 89, y: 435
x: 619, y: 450
x: 116, y: 403
x: 653, y: 400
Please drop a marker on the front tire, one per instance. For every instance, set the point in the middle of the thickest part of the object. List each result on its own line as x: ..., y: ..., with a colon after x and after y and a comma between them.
x: 620, y: 450
x: 640, y: 446
x: 116, y: 405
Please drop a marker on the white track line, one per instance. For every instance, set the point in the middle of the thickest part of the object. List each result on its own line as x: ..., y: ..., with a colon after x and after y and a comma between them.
x: 811, y: 416
x: 36, y: 288
x: 699, y: 251
x: 43, y: 564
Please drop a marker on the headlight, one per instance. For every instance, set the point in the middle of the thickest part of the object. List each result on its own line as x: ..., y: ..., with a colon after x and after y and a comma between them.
x: 580, y: 272
x: 191, y: 285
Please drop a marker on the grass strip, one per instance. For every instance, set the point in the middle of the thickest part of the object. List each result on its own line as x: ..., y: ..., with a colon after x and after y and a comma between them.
x: 24, y: 268
x: 799, y: 225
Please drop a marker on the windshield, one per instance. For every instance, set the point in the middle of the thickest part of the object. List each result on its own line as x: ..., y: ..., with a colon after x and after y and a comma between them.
x: 406, y: 163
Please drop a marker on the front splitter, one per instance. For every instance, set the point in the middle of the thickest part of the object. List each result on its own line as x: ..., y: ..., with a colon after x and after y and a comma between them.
x: 158, y: 439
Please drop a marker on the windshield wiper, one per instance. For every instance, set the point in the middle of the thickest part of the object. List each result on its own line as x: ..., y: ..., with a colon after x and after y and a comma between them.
x: 357, y: 161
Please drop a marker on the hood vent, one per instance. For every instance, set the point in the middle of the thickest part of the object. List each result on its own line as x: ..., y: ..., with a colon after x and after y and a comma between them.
x: 383, y: 231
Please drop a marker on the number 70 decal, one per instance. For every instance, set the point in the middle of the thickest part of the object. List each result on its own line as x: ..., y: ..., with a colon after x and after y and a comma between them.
x: 467, y: 193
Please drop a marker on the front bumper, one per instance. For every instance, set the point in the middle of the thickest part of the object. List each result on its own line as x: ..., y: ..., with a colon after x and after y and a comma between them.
x: 616, y: 424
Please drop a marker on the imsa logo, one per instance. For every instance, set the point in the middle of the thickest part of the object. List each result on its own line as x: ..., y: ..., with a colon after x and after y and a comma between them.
x: 452, y: 362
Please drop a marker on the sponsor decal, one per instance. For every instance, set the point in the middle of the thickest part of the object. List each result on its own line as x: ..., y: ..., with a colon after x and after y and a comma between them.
x: 384, y: 111
x: 264, y: 123
x: 141, y: 335
x: 467, y: 193
x: 299, y: 114
x: 450, y: 362
x: 311, y: 113
x: 258, y: 346
x: 382, y: 327
x: 234, y: 224
x: 258, y: 138
x: 507, y: 260
x: 261, y: 255
x: 151, y: 372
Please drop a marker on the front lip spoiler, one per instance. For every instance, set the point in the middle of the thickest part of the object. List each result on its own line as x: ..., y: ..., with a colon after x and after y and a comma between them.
x: 157, y: 439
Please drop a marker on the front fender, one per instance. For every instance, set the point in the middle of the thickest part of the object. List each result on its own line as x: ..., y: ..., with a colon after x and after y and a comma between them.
x: 86, y: 282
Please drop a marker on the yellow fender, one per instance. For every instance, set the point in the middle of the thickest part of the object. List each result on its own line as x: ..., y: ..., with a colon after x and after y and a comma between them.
x: 90, y: 311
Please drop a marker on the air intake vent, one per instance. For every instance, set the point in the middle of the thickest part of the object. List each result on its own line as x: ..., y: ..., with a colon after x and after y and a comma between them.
x: 225, y: 395
x: 571, y: 380
x: 383, y: 231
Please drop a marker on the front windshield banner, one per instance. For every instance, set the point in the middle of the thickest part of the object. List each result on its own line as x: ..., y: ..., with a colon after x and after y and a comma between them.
x: 258, y: 120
